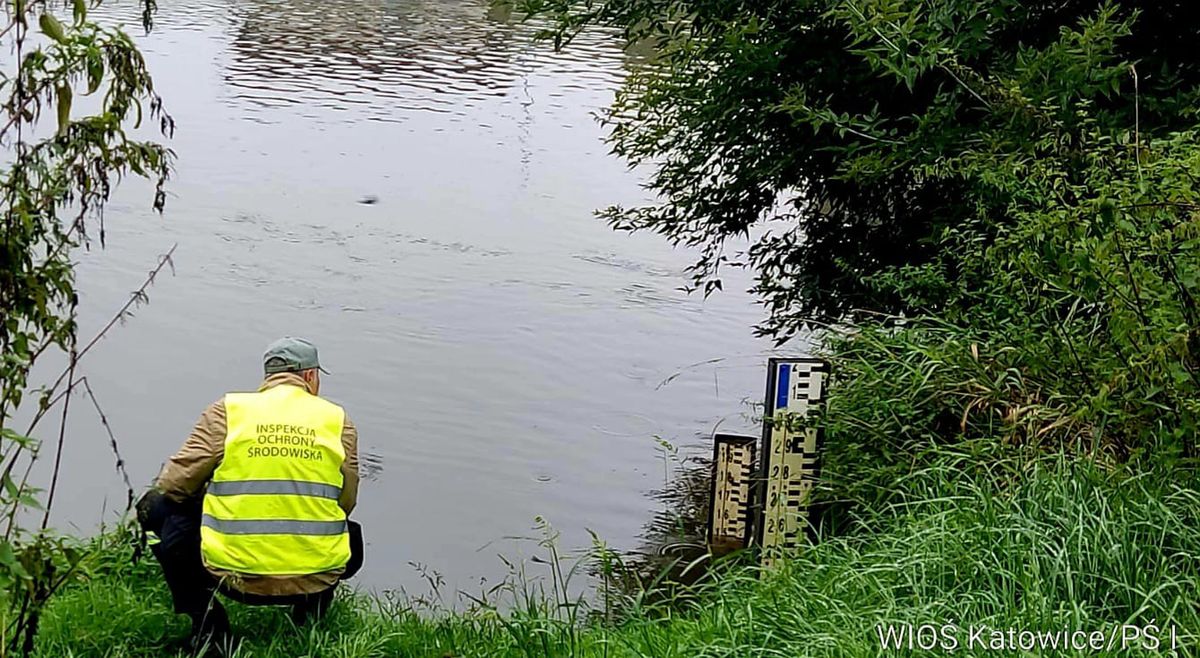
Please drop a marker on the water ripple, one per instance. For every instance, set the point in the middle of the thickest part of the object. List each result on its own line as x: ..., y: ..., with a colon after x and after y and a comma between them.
x: 385, y: 58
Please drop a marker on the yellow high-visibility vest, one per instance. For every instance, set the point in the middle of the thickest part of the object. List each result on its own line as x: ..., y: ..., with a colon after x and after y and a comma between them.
x: 272, y: 506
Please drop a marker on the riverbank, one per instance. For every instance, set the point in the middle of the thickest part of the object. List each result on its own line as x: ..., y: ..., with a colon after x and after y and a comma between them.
x: 1068, y: 547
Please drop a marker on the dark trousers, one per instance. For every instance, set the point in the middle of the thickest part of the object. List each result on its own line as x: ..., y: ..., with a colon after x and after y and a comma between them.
x: 193, y: 588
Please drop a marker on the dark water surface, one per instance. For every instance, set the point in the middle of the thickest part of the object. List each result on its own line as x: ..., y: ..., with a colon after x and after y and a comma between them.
x: 500, y: 349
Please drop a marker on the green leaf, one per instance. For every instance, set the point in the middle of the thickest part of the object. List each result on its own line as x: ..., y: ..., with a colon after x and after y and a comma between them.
x: 10, y: 487
x: 8, y: 559
x: 11, y: 435
x: 52, y: 28
x: 72, y: 555
x: 64, y: 108
x: 80, y: 11
x: 95, y: 73
x: 27, y: 500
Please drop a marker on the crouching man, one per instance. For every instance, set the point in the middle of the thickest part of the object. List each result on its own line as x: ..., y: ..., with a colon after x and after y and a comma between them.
x: 255, y: 503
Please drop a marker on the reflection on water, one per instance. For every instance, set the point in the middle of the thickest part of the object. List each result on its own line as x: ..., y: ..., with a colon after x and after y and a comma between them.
x: 370, y: 466
x: 504, y: 354
x: 672, y: 554
x: 388, y: 58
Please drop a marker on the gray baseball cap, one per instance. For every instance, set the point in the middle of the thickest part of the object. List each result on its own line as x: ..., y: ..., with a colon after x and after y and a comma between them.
x: 290, y: 354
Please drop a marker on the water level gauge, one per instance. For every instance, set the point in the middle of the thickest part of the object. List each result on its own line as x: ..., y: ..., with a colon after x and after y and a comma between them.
x: 732, y: 480
x: 790, y: 453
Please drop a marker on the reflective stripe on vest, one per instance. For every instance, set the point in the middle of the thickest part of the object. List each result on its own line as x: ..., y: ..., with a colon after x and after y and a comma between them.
x: 272, y: 506
x: 293, y: 487
x: 274, y: 527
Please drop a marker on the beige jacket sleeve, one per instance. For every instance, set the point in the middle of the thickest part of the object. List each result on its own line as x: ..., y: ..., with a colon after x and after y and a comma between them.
x: 349, y: 497
x: 184, y: 475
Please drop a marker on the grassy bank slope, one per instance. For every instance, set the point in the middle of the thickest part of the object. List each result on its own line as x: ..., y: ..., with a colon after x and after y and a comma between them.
x: 1068, y: 547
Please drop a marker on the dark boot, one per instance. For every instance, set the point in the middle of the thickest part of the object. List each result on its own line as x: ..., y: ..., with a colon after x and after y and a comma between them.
x: 313, y: 608
x: 210, y: 631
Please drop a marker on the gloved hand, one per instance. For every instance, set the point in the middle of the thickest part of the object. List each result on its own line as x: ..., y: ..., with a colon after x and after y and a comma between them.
x: 152, y: 510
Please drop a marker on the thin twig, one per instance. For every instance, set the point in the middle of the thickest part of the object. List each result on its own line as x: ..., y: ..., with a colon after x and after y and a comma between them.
x: 1137, y: 293
x: 1137, y: 121
x: 112, y: 441
x: 62, y: 431
x: 15, y: 118
x: 964, y: 85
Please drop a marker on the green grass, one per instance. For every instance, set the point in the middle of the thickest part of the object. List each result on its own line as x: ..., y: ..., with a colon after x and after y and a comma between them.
x: 1066, y: 546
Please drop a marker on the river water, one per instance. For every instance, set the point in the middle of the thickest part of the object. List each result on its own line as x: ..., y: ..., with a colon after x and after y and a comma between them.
x: 504, y: 354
